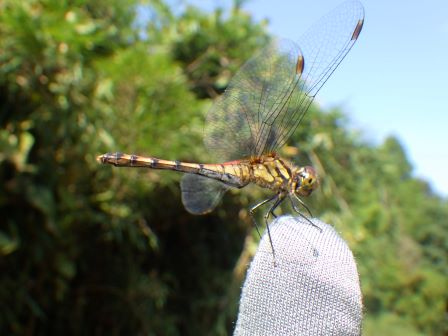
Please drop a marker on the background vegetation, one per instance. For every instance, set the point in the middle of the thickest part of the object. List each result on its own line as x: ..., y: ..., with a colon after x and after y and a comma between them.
x: 86, y: 249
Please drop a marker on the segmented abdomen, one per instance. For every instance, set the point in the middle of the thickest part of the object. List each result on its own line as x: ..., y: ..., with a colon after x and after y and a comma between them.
x: 236, y: 174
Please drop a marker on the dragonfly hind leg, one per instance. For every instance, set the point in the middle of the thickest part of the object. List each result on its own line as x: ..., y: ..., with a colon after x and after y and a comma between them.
x: 255, y: 207
x: 278, y: 198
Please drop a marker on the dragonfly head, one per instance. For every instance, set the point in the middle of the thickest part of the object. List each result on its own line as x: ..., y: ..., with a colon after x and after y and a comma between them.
x: 305, y: 181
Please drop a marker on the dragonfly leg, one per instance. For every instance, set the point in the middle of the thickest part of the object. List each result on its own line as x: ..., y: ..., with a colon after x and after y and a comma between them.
x: 302, y: 204
x: 255, y: 207
x: 296, y: 209
x: 278, y: 199
x: 272, y: 212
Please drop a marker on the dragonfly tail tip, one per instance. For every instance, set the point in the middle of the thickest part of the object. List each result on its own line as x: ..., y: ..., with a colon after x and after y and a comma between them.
x: 100, y: 158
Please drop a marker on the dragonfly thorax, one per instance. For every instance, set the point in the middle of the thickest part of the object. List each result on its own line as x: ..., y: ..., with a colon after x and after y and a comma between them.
x: 272, y: 172
x: 304, y: 181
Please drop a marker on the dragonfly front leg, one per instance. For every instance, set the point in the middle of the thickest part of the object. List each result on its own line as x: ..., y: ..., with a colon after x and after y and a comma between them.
x: 297, y: 210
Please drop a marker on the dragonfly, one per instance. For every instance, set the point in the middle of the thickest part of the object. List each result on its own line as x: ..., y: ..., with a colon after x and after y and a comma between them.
x: 263, y: 105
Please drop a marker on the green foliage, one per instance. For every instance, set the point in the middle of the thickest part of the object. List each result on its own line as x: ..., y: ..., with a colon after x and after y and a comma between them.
x: 389, y: 219
x: 208, y: 46
x: 88, y: 249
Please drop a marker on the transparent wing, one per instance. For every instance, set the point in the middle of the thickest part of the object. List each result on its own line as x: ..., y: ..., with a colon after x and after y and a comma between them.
x: 268, y: 97
x: 201, y: 195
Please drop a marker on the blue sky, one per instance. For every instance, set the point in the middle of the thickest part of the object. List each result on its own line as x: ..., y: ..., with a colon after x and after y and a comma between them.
x: 393, y: 82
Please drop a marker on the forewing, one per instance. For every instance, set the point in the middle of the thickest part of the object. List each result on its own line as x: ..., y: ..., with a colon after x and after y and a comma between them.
x: 200, y: 195
x: 323, y: 47
x: 239, y: 123
x: 268, y: 97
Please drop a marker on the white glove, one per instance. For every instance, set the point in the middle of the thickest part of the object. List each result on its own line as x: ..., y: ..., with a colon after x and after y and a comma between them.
x: 312, y: 290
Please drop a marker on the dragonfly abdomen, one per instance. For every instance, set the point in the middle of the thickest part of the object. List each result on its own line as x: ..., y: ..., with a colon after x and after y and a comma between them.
x: 236, y: 175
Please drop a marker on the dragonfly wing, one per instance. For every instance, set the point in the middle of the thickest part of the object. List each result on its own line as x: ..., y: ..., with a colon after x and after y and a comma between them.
x: 240, y: 122
x: 200, y: 195
x: 268, y: 97
x: 323, y: 48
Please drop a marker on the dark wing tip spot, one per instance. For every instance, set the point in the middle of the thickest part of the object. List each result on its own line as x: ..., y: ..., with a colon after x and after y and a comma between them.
x: 357, y: 30
x: 300, y: 65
